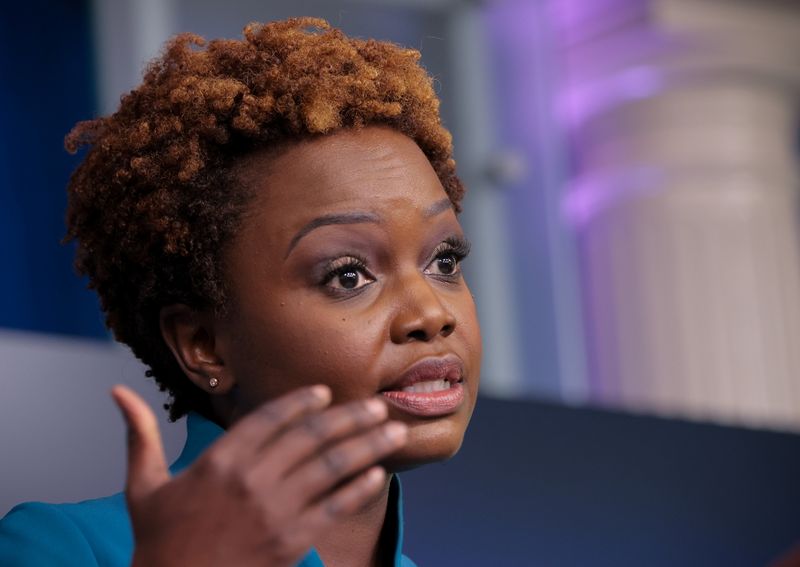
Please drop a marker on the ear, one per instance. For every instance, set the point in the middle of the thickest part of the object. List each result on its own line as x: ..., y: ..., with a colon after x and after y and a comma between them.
x: 190, y: 336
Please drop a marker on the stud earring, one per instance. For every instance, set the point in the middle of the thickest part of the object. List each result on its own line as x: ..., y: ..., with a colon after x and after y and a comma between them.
x: 213, y: 382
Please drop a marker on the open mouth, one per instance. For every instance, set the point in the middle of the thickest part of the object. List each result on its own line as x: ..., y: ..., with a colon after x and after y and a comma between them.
x: 429, y: 388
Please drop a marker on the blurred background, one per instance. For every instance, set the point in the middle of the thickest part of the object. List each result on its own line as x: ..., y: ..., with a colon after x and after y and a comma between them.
x: 632, y: 168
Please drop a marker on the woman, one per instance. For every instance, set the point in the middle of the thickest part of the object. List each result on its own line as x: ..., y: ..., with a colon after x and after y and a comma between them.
x: 271, y: 227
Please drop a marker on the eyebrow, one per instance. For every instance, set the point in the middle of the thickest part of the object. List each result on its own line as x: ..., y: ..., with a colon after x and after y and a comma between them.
x: 325, y: 220
x: 438, y: 208
x: 357, y: 218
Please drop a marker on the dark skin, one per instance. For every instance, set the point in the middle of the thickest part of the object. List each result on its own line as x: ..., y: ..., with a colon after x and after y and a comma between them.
x: 344, y: 273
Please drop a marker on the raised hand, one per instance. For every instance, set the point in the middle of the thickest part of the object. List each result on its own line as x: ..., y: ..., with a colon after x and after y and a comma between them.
x: 264, y: 492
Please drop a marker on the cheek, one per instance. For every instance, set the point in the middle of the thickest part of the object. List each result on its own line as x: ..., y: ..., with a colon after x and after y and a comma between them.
x: 344, y: 352
x: 469, y: 329
x: 470, y: 336
x: 287, y: 350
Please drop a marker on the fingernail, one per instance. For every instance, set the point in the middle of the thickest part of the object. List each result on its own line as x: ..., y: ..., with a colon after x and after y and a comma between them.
x: 396, y: 431
x: 321, y: 392
x: 376, y: 407
x: 121, y: 407
x: 376, y: 475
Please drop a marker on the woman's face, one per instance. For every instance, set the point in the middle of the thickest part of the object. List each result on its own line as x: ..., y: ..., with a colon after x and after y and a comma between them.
x: 346, y: 272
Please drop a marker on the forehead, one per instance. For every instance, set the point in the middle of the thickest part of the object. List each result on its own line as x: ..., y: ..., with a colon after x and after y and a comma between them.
x: 369, y: 169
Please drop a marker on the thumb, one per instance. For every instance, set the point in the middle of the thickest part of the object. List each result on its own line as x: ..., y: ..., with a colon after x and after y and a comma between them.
x: 147, y: 466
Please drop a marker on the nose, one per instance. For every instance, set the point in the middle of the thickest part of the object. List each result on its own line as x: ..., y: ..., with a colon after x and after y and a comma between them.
x: 420, y: 315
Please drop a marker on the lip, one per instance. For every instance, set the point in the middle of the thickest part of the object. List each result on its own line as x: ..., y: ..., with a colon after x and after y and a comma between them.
x: 428, y: 404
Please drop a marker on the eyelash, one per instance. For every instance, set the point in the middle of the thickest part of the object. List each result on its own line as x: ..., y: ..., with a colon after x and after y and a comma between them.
x: 343, y: 265
x: 454, y: 246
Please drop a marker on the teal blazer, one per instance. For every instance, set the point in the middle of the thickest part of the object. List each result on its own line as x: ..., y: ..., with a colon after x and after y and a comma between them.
x: 98, y: 532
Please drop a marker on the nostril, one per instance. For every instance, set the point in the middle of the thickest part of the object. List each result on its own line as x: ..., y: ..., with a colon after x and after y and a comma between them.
x: 418, y: 335
x: 422, y: 335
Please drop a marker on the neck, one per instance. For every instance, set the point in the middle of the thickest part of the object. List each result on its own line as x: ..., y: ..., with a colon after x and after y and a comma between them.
x: 365, y: 538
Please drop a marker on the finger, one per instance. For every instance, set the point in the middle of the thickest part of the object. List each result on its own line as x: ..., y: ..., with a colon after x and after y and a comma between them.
x: 305, y: 529
x: 147, y: 466
x: 265, y: 422
x: 342, y: 460
x: 311, y: 435
x: 346, y: 500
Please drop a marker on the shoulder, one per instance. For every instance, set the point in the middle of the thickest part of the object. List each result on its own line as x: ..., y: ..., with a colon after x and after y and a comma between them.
x: 406, y: 562
x: 93, y: 532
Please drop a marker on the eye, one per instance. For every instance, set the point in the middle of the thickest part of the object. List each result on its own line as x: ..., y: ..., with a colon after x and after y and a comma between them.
x: 447, y: 257
x: 347, y: 274
x: 446, y: 264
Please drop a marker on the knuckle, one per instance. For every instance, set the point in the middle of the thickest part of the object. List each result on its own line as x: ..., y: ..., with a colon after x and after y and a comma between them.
x: 334, y: 507
x: 316, y: 427
x: 214, y: 464
x: 380, y: 441
x: 335, y: 461
x: 242, y: 486
x: 238, y: 483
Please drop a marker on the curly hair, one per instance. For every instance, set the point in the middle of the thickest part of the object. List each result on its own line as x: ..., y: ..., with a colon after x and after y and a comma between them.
x: 155, y: 200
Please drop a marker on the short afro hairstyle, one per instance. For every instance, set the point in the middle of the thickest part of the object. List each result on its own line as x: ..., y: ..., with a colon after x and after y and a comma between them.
x: 156, y: 199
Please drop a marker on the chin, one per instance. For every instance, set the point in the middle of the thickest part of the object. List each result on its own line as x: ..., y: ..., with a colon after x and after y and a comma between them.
x: 428, y: 442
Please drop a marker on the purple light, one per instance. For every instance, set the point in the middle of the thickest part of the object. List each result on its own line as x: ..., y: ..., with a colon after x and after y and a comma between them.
x: 581, y: 102
x: 589, y: 196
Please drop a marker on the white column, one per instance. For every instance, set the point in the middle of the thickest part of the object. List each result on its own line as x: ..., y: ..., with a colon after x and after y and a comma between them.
x: 684, y: 119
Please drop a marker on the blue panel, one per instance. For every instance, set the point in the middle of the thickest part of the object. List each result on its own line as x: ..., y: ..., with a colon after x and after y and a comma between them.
x: 47, y: 85
x: 538, y: 484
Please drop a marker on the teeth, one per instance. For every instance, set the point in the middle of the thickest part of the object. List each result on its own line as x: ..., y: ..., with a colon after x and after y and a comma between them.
x: 428, y: 387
